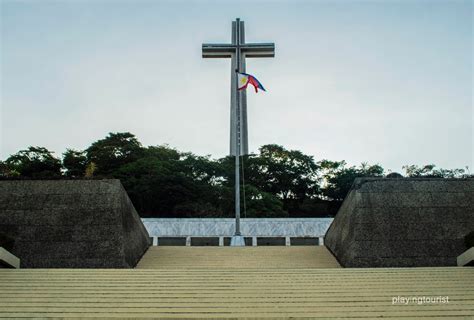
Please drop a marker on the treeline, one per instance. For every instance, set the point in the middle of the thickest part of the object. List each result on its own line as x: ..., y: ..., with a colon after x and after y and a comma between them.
x: 163, y: 182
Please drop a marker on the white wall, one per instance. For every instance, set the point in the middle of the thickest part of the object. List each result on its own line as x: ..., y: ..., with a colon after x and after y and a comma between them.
x: 262, y: 227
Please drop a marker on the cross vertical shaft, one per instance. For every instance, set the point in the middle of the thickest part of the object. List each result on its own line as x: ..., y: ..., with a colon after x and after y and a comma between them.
x: 238, y: 63
x: 238, y: 50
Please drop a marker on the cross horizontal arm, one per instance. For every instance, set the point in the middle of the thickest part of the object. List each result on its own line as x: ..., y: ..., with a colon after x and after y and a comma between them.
x: 251, y: 50
x: 216, y: 50
x: 259, y: 50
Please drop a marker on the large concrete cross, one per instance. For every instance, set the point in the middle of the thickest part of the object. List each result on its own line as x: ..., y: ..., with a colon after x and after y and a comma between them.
x: 238, y: 50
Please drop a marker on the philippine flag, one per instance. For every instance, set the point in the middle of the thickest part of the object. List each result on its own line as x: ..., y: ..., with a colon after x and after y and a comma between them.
x: 245, y: 79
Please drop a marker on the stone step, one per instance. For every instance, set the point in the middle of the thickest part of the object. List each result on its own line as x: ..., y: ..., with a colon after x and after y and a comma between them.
x: 211, y: 292
x: 238, y: 257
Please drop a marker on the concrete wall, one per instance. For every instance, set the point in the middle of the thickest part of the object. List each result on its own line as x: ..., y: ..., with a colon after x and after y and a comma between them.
x: 256, y: 231
x: 208, y: 227
x: 71, y: 224
x: 403, y: 222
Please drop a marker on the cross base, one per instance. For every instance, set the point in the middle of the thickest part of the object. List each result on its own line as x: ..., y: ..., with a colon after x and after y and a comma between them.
x: 237, y: 241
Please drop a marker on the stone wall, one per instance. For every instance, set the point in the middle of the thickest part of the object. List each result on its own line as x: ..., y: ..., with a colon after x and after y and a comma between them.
x: 71, y: 224
x: 403, y: 222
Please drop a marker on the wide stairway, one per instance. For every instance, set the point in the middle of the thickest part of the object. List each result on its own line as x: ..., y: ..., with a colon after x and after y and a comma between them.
x: 225, y: 282
x: 297, y: 257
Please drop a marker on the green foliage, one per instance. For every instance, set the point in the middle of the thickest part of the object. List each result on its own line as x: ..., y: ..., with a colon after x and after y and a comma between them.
x: 259, y: 204
x: 430, y: 171
x: 201, y: 169
x: 294, y: 174
x: 75, y: 163
x: 338, y: 178
x: 114, y: 151
x: 288, y: 175
x: 317, y: 207
x: 34, y: 162
x: 163, y: 182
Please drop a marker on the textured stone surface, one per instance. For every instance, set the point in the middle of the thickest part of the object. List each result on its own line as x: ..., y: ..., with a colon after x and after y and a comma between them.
x: 71, y: 224
x: 403, y: 222
x: 208, y: 227
x: 6, y: 242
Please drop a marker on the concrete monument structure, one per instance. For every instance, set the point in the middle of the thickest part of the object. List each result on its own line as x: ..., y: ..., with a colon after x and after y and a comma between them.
x: 408, y: 222
x: 71, y: 224
x: 238, y: 51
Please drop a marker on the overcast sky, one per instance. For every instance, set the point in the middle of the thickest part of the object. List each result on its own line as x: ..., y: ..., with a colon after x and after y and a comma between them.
x: 386, y: 82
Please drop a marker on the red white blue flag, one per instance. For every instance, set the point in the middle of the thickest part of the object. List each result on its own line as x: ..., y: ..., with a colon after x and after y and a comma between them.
x: 245, y: 79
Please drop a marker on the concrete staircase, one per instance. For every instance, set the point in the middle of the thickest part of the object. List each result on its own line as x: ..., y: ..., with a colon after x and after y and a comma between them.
x: 278, y: 257
x: 224, y: 282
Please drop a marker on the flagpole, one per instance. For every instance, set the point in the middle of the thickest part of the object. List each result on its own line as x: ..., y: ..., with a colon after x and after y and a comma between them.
x: 237, y: 165
x: 237, y: 135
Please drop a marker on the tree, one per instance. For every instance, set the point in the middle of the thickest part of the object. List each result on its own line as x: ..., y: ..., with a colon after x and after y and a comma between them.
x: 34, y: 162
x: 202, y: 169
x: 114, y: 151
x: 338, y: 179
x: 276, y: 173
x: 260, y: 204
x: 162, y: 183
x: 288, y: 174
x: 430, y: 171
x: 75, y: 163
